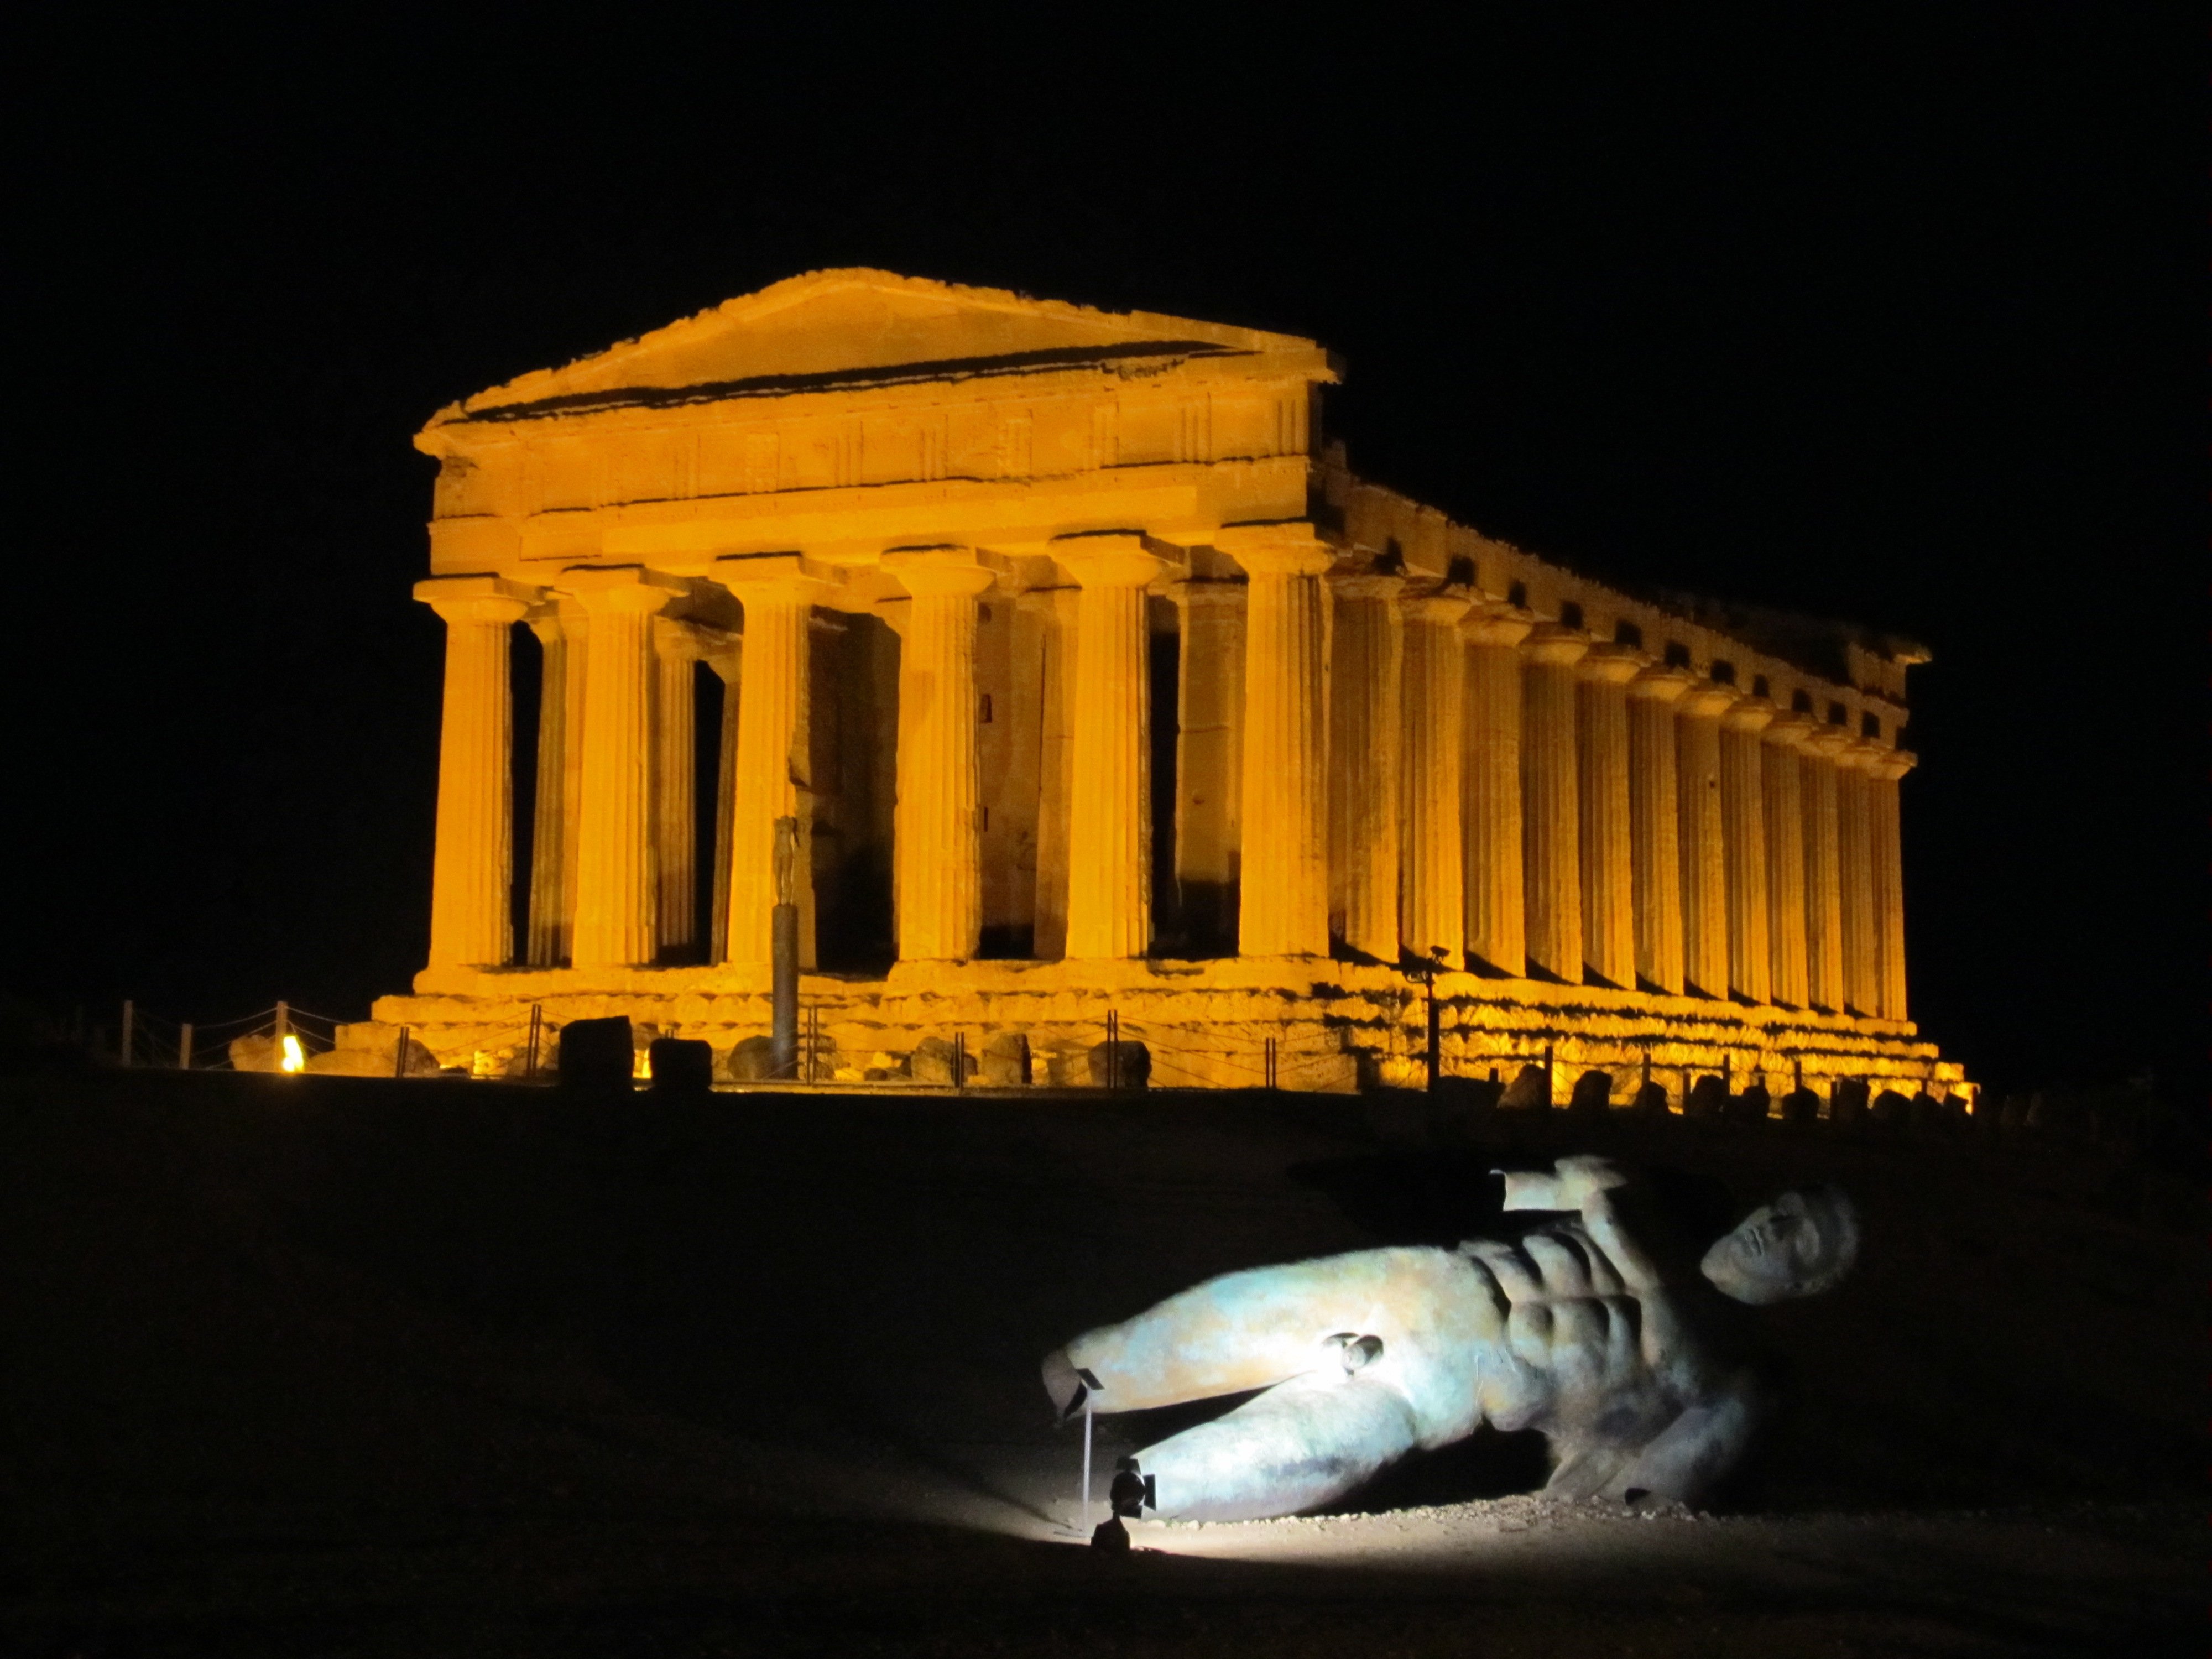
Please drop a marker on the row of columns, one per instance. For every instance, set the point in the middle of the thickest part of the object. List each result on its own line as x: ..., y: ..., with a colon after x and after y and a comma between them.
x: 1502, y: 791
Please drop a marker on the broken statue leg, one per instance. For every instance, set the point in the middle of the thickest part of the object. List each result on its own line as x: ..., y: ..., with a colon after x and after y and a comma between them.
x: 1295, y: 1446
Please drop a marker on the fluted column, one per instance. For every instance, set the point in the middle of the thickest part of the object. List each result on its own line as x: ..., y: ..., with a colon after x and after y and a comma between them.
x: 1432, y: 856
x: 1855, y: 863
x: 1655, y: 838
x: 1790, y: 975
x: 939, y: 877
x: 1053, y: 611
x: 1367, y: 670
x: 1497, y: 939
x: 1550, y: 801
x: 615, y: 910
x: 560, y: 631
x: 472, y: 877
x: 1824, y: 889
x: 1886, y: 842
x: 770, y: 776
x: 1602, y: 800
x: 1284, y: 906
x: 1704, y: 864
x: 674, y: 785
x: 729, y: 665
x: 1209, y: 743
x: 1743, y: 807
x: 1110, y: 830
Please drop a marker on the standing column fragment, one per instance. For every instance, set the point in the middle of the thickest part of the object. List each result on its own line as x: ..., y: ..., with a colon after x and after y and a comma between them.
x: 1704, y: 867
x: 1110, y: 817
x: 1551, y: 805
x: 1824, y: 890
x: 615, y: 899
x: 1496, y: 939
x: 729, y: 665
x: 1284, y: 892
x: 1780, y: 783
x: 1603, y: 825
x: 771, y: 777
x: 1886, y: 846
x: 1432, y: 859
x: 1654, y: 839
x: 1367, y: 660
x: 938, y: 876
x: 473, y: 877
x: 1743, y: 807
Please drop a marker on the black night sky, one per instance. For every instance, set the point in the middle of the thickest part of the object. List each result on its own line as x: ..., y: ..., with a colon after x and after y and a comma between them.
x: 1890, y: 316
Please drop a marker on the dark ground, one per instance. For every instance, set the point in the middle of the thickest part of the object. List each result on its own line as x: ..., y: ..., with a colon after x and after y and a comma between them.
x: 326, y: 1366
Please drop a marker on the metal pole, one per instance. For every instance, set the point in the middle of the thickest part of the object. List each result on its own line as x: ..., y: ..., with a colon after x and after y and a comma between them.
x: 185, y: 1047
x: 813, y: 1039
x: 399, y: 1062
x: 1551, y: 1088
x: 1436, y: 1058
x: 530, y: 1067
x: 783, y: 996
x: 283, y: 1022
x: 130, y: 1019
x: 1086, y: 1465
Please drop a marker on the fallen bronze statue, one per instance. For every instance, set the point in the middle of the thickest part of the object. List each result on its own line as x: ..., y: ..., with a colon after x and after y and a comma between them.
x: 1592, y: 1328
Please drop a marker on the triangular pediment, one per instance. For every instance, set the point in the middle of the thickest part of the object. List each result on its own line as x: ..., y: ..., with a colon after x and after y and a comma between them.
x: 831, y: 328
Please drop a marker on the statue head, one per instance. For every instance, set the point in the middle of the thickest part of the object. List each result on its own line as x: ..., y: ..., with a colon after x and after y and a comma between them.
x: 1801, y: 1244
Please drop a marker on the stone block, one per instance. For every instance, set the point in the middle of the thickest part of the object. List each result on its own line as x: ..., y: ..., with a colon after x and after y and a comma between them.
x: 1753, y: 1106
x: 256, y: 1053
x: 1123, y: 1065
x: 1801, y: 1106
x: 752, y: 1060
x: 681, y: 1066
x: 1006, y: 1060
x: 934, y: 1061
x: 1650, y: 1101
x: 1890, y: 1109
x: 1529, y: 1091
x: 1708, y: 1100
x: 597, y: 1055
x: 1592, y: 1095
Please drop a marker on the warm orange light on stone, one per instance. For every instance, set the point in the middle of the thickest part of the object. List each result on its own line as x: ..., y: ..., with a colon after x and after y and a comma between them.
x: 1388, y: 733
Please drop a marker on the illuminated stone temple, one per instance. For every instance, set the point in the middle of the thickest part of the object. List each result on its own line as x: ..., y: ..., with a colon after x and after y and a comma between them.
x: 1098, y: 684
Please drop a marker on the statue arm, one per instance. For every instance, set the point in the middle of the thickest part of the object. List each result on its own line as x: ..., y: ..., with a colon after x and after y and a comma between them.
x: 1240, y: 1331
x: 1568, y: 1185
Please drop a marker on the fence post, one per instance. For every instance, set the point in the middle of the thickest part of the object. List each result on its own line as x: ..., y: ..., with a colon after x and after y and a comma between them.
x: 530, y: 1067
x: 185, y: 1047
x: 130, y: 1020
x: 399, y: 1063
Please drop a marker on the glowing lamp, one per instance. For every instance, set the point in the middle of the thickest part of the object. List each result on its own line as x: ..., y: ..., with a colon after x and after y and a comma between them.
x: 295, y: 1057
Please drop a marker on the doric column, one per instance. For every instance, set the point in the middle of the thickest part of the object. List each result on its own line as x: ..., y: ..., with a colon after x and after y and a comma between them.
x: 472, y: 877
x: 675, y: 785
x: 1052, y: 609
x: 1886, y: 842
x: 1790, y: 975
x: 1655, y: 838
x: 1704, y: 865
x: 1367, y: 662
x: 1209, y: 747
x: 1283, y: 898
x: 1110, y: 828
x: 729, y: 665
x: 1496, y: 937
x: 559, y: 626
x: 1550, y: 804
x: 1855, y: 864
x: 1824, y: 889
x: 615, y: 910
x: 1743, y: 807
x: 770, y: 776
x: 1602, y: 799
x: 938, y: 877
x: 1432, y: 855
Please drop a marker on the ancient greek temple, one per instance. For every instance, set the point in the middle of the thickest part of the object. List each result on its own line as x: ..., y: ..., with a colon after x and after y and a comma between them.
x: 1098, y: 684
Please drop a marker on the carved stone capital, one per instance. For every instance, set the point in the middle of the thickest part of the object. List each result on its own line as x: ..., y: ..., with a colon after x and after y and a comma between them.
x: 476, y: 599
x: 1555, y: 646
x: 621, y: 589
x: 1610, y: 664
x: 1290, y: 548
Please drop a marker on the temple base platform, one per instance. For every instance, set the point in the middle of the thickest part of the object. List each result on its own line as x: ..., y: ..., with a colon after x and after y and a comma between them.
x: 1322, y: 1025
